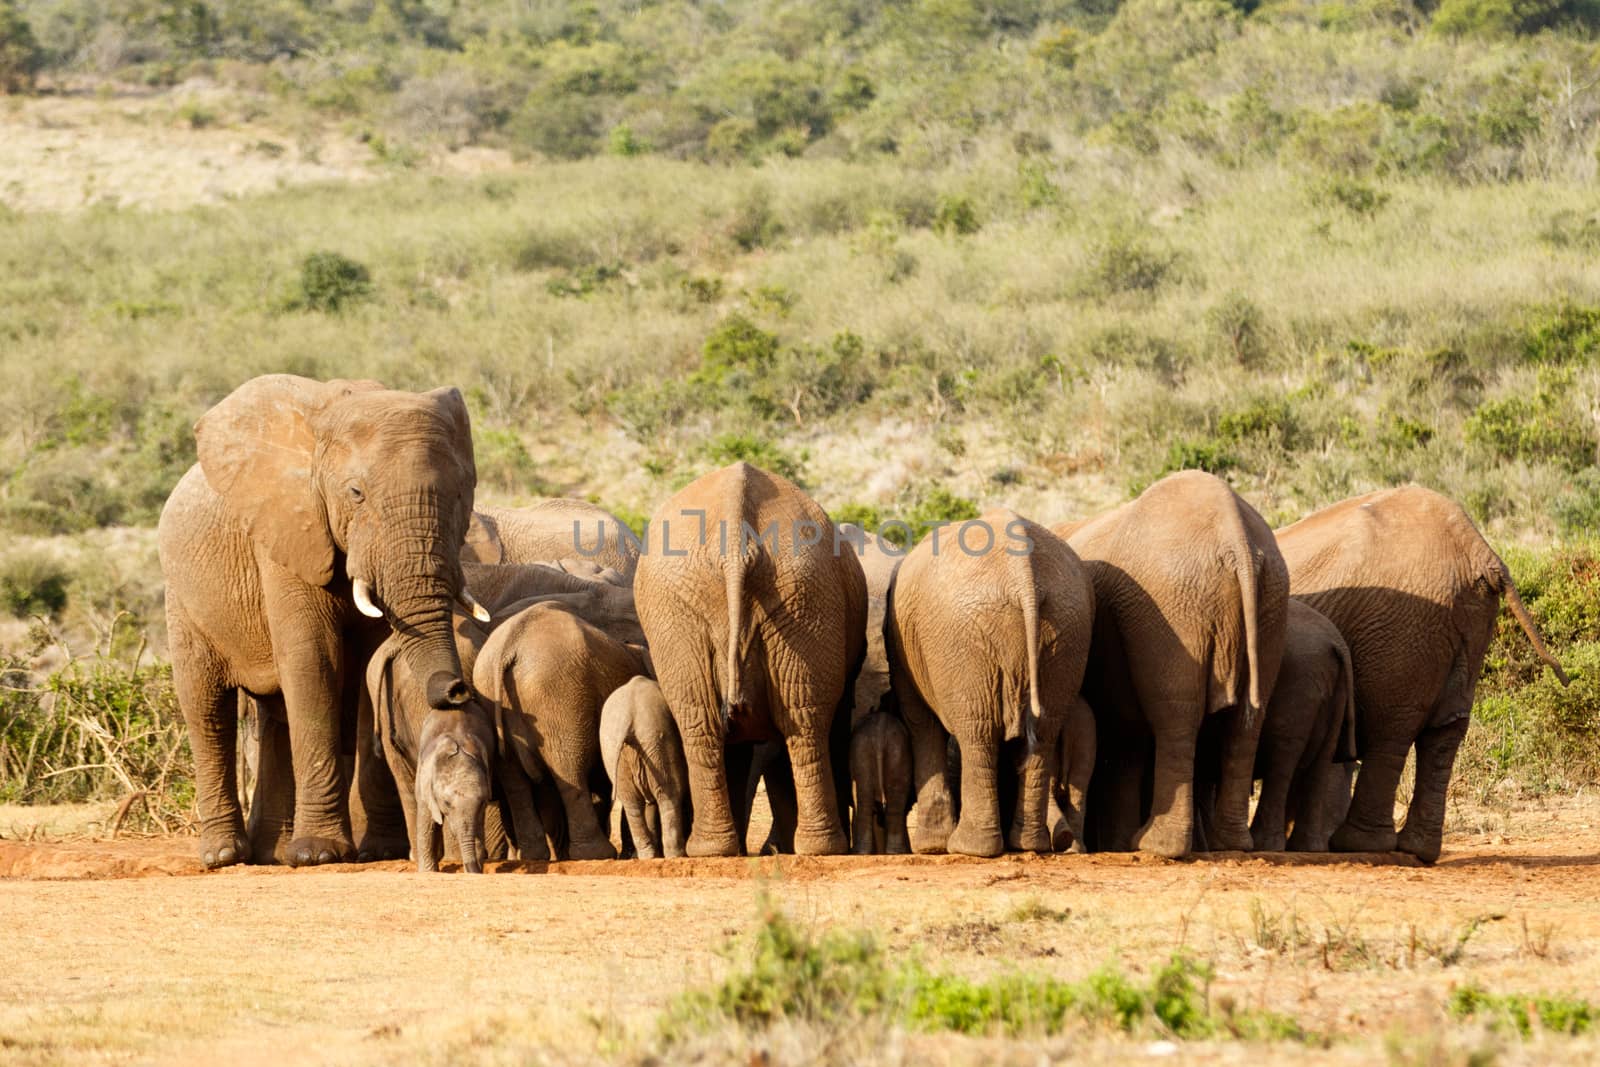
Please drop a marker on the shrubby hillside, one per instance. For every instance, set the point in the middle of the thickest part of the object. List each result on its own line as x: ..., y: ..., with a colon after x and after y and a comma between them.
x: 923, y: 256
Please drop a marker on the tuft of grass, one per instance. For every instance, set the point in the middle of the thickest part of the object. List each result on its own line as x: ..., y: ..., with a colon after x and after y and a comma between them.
x: 1524, y: 1012
x: 789, y: 974
x: 330, y: 282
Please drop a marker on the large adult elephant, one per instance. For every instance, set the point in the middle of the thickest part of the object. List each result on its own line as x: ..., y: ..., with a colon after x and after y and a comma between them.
x: 1190, y: 602
x: 553, y: 529
x: 1414, y: 588
x: 987, y: 637
x: 313, y: 506
x: 757, y: 629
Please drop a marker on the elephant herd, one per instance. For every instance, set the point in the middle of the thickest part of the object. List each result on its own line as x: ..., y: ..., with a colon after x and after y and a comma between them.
x: 425, y: 675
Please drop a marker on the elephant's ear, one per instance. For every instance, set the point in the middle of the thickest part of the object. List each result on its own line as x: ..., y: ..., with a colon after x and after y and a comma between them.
x: 616, y: 722
x: 258, y: 451
x: 427, y: 805
x: 482, y: 543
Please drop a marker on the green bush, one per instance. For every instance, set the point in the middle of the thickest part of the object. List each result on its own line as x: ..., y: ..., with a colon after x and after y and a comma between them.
x: 32, y: 583
x: 736, y: 344
x: 330, y: 282
x: 1565, y: 333
x: 757, y: 451
x: 1567, y: 1015
x: 956, y: 215
x: 21, y: 58
x: 1501, y: 18
x: 1544, y: 427
x: 1127, y: 263
x: 1241, y: 326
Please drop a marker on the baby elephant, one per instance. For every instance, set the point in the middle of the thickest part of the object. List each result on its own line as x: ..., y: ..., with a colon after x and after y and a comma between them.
x: 547, y: 672
x: 880, y: 770
x: 644, y: 756
x: 1071, y: 764
x: 440, y: 759
x: 1308, y: 740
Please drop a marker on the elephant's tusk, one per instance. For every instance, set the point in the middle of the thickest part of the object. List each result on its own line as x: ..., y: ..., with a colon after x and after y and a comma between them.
x: 479, y: 612
x: 363, y: 594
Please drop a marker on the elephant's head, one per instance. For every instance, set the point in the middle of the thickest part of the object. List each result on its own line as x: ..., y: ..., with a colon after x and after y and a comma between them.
x: 453, y: 785
x: 348, y: 480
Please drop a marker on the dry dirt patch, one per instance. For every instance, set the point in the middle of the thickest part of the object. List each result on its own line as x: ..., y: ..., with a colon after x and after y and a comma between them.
x: 126, y: 951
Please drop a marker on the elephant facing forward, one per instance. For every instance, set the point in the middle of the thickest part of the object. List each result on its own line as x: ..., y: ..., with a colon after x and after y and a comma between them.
x: 1415, y: 590
x: 987, y: 636
x: 756, y: 622
x: 313, y: 505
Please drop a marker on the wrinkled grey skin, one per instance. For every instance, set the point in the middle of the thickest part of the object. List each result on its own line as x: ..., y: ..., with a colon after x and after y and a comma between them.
x: 643, y: 756
x: 1308, y: 739
x: 986, y: 644
x: 1190, y: 598
x: 754, y: 640
x: 304, y: 488
x: 544, y: 530
x: 441, y: 759
x: 1071, y: 765
x: 547, y: 673
x: 1415, y: 591
x: 595, y: 595
x: 880, y: 772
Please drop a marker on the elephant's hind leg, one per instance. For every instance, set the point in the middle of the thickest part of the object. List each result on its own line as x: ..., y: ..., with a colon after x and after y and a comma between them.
x: 211, y: 711
x: 818, y: 831
x: 1176, y: 725
x: 977, y: 831
x: 1369, y: 827
x: 1423, y: 833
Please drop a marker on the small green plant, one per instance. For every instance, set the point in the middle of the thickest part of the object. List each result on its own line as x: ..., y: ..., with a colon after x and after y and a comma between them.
x: 1525, y: 1013
x: 1126, y: 263
x: 756, y: 451
x: 1565, y: 333
x: 585, y: 280
x: 197, y: 115
x: 1241, y: 326
x: 1545, y: 426
x: 1035, y: 910
x: 330, y: 282
x: 957, y: 216
x: 736, y: 344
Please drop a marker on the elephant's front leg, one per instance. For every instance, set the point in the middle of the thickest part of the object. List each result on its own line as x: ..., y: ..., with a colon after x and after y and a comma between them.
x: 376, y: 807
x: 1176, y: 725
x: 309, y: 663
x: 817, y: 830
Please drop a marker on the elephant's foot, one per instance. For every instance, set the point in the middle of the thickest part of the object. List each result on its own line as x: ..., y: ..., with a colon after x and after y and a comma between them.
x: 1077, y: 847
x: 269, y: 841
x: 1420, y: 843
x: 1306, y: 839
x: 1351, y: 838
x: 968, y: 840
x: 897, y: 844
x: 775, y: 845
x: 1265, y: 840
x: 317, y: 851
x: 1163, y: 837
x: 934, y: 827
x: 374, y: 848
x: 597, y: 849
x: 224, y: 848
x: 830, y: 842
x: 704, y: 843
x: 1225, y: 838
x: 1023, y: 841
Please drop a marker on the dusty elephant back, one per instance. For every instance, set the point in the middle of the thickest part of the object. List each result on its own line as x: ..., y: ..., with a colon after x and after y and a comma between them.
x: 1192, y: 569
x: 1408, y: 581
x: 958, y: 620
x: 549, y: 530
x: 728, y: 579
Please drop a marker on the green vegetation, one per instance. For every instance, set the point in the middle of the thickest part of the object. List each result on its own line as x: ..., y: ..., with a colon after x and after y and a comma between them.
x: 790, y: 974
x: 1525, y: 1013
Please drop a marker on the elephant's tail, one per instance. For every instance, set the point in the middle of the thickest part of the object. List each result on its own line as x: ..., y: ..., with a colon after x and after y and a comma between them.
x: 1245, y: 562
x: 1500, y: 579
x: 733, y: 569
x: 1028, y: 594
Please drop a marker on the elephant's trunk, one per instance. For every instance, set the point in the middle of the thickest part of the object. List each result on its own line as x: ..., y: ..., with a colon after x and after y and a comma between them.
x: 468, y: 828
x: 419, y: 580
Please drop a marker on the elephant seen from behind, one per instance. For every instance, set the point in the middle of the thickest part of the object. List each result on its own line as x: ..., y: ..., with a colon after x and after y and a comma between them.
x: 643, y: 756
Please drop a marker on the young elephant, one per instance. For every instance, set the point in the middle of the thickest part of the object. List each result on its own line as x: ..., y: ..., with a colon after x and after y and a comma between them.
x: 547, y: 672
x: 1308, y: 736
x: 880, y: 771
x: 440, y: 758
x: 1071, y: 765
x: 987, y: 638
x: 554, y: 529
x: 644, y: 757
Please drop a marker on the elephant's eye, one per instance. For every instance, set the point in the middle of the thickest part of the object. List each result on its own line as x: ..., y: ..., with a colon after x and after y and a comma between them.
x: 356, y: 494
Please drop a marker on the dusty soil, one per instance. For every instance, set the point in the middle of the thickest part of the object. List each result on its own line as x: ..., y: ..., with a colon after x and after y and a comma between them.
x: 125, y: 950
